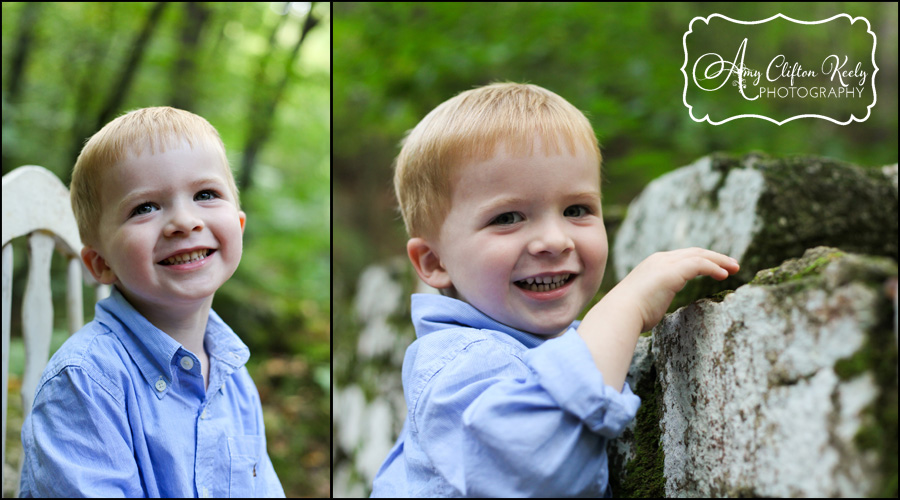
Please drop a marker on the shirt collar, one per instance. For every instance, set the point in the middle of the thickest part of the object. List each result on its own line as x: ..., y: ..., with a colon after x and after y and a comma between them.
x: 223, y: 344
x: 432, y: 312
x: 152, y: 349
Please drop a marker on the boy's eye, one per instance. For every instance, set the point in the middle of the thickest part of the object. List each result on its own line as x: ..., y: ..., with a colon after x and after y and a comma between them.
x: 506, y: 219
x: 576, y: 211
x: 206, y: 195
x: 143, y: 209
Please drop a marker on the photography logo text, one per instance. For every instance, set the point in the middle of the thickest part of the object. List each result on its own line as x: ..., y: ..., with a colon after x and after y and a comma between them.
x: 779, y: 69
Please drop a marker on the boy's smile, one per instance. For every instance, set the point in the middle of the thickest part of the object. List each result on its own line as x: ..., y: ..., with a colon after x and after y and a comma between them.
x: 524, y: 240
x: 170, y: 233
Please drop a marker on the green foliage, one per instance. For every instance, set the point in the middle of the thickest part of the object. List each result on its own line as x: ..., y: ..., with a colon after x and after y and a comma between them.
x: 619, y: 63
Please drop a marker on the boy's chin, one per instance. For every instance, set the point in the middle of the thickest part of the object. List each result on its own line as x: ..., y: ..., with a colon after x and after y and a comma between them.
x: 543, y: 328
x: 550, y: 332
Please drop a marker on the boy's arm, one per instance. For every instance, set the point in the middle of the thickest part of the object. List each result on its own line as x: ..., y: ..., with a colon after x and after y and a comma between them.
x: 611, y: 328
x: 76, y: 442
x: 494, y: 422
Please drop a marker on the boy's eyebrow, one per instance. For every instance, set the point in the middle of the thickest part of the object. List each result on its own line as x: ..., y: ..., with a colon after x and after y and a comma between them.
x: 142, y: 195
x: 587, y: 194
x: 503, y: 201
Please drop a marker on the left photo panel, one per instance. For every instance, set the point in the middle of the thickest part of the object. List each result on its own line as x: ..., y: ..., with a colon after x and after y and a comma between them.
x: 166, y: 249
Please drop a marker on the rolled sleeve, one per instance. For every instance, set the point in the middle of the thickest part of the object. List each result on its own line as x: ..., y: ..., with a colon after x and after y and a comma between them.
x: 523, y: 426
x: 566, y: 370
x: 495, y: 412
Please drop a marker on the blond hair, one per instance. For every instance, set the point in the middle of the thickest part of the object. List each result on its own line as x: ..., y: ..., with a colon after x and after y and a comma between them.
x: 152, y: 130
x: 470, y: 127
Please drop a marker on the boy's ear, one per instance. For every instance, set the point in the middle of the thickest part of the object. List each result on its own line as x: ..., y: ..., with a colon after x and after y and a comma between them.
x: 97, y: 265
x: 427, y: 263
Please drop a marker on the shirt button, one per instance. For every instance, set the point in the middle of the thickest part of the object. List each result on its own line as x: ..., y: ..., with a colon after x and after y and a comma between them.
x: 160, y: 385
x: 187, y: 363
x: 204, y: 415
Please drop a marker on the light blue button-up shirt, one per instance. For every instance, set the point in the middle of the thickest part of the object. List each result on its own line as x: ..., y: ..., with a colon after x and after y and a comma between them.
x: 121, y: 410
x: 495, y: 412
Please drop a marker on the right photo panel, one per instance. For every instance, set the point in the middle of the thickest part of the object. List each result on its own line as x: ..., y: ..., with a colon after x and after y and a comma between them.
x: 630, y: 250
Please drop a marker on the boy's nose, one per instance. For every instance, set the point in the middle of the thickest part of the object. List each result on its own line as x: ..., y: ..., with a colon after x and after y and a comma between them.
x: 183, y: 221
x: 550, y: 239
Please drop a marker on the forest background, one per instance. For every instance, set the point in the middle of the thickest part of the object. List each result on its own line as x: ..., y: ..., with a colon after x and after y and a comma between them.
x: 619, y: 63
x: 260, y: 74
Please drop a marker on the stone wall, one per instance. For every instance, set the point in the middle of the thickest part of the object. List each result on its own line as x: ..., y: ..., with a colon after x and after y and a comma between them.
x: 760, y: 210
x: 786, y: 386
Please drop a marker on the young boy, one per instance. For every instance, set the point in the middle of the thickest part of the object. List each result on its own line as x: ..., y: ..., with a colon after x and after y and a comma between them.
x: 508, y: 395
x: 152, y: 397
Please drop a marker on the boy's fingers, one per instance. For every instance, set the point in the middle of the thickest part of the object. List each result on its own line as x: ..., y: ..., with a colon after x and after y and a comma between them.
x: 718, y: 268
x: 730, y: 264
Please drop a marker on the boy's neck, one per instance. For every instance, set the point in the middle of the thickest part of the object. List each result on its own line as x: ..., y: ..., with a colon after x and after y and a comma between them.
x: 185, y: 323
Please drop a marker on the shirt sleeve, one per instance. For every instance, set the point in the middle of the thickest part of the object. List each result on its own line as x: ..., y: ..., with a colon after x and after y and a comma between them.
x: 534, y: 426
x: 77, y: 441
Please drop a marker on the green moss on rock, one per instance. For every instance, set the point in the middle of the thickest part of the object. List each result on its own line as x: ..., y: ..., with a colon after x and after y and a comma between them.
x: 644, y: 473
x: 811, y: 264
x: 808, y: 201
x: 879, y: 432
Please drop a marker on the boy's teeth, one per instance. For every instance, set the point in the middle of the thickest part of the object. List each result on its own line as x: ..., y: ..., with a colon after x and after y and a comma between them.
x: 545, y: 283
x: 187, y: 257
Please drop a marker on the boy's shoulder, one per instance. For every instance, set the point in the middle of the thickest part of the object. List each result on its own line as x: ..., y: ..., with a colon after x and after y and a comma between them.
x: 96, y: 351
x: 451, y: 354
x: 446, y: 344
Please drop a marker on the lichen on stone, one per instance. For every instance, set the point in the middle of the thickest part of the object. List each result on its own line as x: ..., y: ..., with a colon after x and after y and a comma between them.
x: 788, y: 368
x: 825, y: 267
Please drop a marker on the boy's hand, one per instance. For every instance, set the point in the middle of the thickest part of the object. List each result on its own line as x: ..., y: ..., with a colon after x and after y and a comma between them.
x: 611, y: 328
x: 652, y: 285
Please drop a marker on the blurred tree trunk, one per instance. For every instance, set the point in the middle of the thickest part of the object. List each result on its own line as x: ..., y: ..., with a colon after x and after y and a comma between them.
x: 265, y: 98
x: 87, y: 86
x: 120, y: 87
x: 184, y: 71
x: 20, y: 53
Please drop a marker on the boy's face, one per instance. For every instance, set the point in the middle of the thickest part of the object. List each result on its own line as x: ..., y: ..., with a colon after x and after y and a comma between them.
x: 156, y: 207
x: 515, y: 219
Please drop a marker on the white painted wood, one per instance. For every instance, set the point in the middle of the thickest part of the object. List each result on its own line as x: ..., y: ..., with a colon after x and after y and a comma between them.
x: 101, y: 292
x: 35, y: 199
x: 7, y: 311
x: 74, y: 302
x: 36, y: 204
x: 37, y: 313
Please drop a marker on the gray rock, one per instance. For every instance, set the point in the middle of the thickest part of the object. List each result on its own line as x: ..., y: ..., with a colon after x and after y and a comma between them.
x: 760, y: 210
x: 786, y: 387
